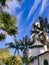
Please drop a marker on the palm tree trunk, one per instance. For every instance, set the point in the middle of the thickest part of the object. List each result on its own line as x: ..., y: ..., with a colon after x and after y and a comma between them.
x: 15, y: 52
x: 16, y: 49
x: 25, y: 56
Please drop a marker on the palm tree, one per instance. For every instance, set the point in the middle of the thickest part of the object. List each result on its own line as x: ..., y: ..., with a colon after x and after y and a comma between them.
x: 19, y: 0
x: 23, y: 45
x: 8, y: 24
x: 14, y: 46
x: 7, y: 21
x: 41, y: 29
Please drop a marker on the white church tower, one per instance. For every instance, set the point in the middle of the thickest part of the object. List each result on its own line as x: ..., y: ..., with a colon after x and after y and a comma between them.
x: 37, y: 49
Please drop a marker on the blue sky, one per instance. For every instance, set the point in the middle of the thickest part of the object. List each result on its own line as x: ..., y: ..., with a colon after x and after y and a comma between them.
x: 26, y: 12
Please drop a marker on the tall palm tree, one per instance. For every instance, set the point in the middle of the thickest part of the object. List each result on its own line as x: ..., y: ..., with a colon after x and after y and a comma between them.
x: 41, y: 29
x: 23, y: 45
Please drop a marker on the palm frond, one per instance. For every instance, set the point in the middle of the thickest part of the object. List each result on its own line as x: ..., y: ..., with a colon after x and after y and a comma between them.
x: 32, y: 59
x: 19, y: 0
x: 10, y: 45
x: 48, y: 26
x: 2, y: 37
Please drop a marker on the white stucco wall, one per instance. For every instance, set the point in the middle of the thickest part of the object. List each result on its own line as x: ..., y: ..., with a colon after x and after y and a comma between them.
x: 43, y: 57
x: 34, y: 62
x: 36, y: 51
x: 33, y: 52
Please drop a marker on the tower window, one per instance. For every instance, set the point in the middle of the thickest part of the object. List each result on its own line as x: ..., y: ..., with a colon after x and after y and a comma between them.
x: 45, y: 62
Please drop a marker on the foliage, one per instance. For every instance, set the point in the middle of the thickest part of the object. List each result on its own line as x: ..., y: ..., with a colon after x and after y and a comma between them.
x: 44, y: 25
x: 25, y: 44
x: 14, y: 60
x: 42, y: 28
x: 4, y: 54
x: 8, y: 22
x: 4, y: 2
x: 19, y: 0
x: 22, y: 45
x: 2, y: 37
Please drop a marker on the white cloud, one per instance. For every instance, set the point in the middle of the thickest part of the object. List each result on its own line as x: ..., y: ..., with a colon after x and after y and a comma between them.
x: 34, y: 19
x: 33, y: 7
x: 9, y: 39
x: 37, y: 13
x: 20, y: 14
x: 12, y: 6
x: 20, y: 31
x: 48, y: 17
x: 44, y: 4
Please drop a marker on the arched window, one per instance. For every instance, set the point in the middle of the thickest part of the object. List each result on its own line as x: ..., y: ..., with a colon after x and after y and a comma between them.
x: 45, y: 62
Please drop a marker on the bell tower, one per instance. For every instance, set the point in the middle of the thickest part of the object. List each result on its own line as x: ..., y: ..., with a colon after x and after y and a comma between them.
x: 36, y: 47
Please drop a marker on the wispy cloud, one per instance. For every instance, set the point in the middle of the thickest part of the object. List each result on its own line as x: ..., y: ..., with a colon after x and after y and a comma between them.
x: 35, y: 18
x: 20, y: 14
x: 12, y: 6
x: 43, y: 6
x: 38, y: 12
x: 27, y: 12
x: 34, y: 7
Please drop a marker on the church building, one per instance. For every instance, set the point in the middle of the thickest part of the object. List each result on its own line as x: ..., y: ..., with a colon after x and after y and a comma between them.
x: 39, y: 51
